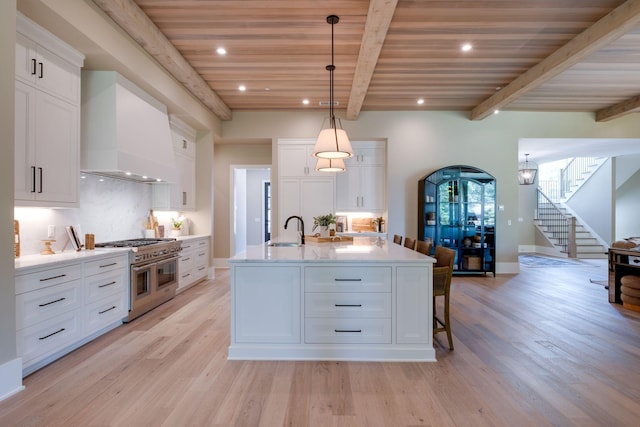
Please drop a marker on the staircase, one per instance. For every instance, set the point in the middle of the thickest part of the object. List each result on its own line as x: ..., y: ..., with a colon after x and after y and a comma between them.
x: 558, y: 226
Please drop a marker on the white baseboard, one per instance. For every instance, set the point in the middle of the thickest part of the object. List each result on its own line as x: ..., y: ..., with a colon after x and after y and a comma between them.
x: 11, y: 378
x: 507, y: 267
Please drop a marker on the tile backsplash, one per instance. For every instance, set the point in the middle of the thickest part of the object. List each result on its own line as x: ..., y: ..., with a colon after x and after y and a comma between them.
x: 109, y: 208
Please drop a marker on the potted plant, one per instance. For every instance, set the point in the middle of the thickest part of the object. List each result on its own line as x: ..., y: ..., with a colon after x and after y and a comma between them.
x: 176, y: 227
x: 323, y: 221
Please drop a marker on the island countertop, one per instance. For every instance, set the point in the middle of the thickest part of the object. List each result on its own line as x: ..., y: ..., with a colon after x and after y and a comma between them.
x: 361, y: 249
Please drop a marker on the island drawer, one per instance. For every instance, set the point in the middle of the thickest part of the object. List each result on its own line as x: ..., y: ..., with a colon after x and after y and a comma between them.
x: 347, y: 279
x: 347, y: 304
x: 347, y: 331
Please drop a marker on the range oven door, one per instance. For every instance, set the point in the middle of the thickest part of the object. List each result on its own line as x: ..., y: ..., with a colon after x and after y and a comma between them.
x: 143, y: 279
x: 167, y: 275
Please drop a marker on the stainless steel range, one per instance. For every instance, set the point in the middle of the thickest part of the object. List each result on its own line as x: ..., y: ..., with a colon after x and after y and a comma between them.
x: 154, y: 272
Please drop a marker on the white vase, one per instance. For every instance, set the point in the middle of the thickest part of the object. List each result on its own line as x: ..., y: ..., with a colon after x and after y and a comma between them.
x: 176, y: 233
x: 323, y: 230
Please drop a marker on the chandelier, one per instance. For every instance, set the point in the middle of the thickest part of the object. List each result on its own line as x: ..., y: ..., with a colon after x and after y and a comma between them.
x: 527, y: 171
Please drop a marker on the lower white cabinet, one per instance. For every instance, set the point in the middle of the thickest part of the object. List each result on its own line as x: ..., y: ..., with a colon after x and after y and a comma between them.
x: 194, y: 262
x: 268, y: 305
x: 324, y: 310
x: 62, y: 306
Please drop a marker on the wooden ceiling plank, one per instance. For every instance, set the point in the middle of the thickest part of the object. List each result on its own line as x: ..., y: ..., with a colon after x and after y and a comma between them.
x: 139, y: 26
x: 375, y: 31
x: 631, y: 105
x: 612, y: 26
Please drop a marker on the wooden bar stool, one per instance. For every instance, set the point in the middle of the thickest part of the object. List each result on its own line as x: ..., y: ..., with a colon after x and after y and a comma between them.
x: 442, y: 273
x: 410, y: 243
x: 423, y: 247
x: 397, y: 239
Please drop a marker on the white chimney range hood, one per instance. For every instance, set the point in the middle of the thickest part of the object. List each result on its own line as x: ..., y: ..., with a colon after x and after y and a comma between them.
x: 125, y: 131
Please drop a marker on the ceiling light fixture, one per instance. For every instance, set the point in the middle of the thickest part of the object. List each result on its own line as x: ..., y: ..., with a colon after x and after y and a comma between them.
x: 330, y: 165
x: 242, y: 88
x: 420, y: 101
x: 527, y: 171
x: 467, y: 47
x: 221, y: 51
x: 332, y: 142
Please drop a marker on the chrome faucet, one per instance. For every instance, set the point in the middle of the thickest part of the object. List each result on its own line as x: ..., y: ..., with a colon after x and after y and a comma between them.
x: 300, y: 224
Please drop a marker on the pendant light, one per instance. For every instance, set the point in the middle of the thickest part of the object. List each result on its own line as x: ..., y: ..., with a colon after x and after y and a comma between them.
x: 527, y: 171
x: 332, y: 142
x: 330, y: 165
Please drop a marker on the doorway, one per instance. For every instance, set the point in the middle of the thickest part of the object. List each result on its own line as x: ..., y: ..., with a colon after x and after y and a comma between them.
x: 250, y: 206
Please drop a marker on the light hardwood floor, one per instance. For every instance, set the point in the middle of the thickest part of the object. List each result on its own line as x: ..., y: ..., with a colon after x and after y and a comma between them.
x: 541, y: 348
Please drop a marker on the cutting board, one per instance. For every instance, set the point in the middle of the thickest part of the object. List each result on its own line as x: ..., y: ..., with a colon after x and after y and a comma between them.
x: 318, y: 239
x: 362, y: 225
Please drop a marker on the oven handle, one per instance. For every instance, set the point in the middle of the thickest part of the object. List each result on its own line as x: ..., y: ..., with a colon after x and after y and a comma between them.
x: 155, y: 261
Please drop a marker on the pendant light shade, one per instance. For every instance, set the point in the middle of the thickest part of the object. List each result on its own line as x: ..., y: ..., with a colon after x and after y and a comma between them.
x: 527, y: 171
x: 333, y: 142
x: 330, y: 165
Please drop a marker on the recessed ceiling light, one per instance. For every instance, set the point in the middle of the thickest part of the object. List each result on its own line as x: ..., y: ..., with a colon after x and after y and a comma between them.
x: 496, y: 111
x: 128, y: 173
x: 221, y: 51
x: 466, y: 47
x: 420, y: 101
x: 267, y: 88
x: 242, y: 88
x: 144, y: 177
x: 305, y: 101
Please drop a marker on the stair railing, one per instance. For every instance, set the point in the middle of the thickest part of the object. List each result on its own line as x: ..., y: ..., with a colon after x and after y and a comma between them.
x: 574, y: 171
x: 561, y: 226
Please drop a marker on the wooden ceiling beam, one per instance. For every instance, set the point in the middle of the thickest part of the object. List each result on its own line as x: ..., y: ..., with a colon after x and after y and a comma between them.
x: 375, y: 31
x: 137, y: 24
x: 631, y: 105
x: 609, y: 28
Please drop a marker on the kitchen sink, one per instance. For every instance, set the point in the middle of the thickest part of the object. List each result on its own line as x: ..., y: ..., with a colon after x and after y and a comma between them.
x: 285, y: 244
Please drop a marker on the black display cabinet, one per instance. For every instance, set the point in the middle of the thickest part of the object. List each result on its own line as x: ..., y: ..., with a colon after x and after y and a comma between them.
x: 457, y: 209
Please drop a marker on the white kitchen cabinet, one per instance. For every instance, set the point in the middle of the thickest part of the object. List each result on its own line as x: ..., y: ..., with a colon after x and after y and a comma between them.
x: 297, y: 160
x: 305, y: 197
x: 180, y: 195
x: 267, y: 308
x: 46, y: 149
x: 106, y: 288
x: 45, y: 62
x: 362, y: 187
x: 193, y: 266
x: 60, y: 307
x: 48, y: 311
x: 47, y: 119
x: 413, y: 321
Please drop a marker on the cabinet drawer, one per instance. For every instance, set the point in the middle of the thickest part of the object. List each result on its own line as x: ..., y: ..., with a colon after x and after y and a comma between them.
x: 106, y: 264
x: 347, y: 304
x: 347, y: 279
x: 105, y: 284
x: 48, y: 337
x: 347, y: 331
x: 104, y: 312
x: 43, y: 304
x: 49, y: 277
x: 187, y: 260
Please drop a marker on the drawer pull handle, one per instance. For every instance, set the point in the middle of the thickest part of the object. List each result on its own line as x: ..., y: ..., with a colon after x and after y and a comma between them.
x: 185, y: 275
x: 201, y: 268
x: 107, y: 284
x: 348, y: 305
x: 108, y: 265
x: 347, y: 330
x: 34, y: 65
x: 348, y: 280
x: 108, y: 309
x: 53, y: 277
x: 186, y: 259
x: 51, y: 334
x: 52, y: 302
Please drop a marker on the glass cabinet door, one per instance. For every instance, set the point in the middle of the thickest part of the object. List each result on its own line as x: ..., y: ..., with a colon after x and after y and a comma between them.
x: 457, y: 210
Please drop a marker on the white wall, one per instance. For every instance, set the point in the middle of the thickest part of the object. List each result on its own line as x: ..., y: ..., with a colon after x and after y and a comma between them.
x: 10, y: 367
x: 594, y: 200
x: 423, y: 141
x: 628, y: 208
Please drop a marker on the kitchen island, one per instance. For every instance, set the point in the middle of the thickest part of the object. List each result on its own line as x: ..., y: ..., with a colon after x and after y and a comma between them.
x: 366, y: 299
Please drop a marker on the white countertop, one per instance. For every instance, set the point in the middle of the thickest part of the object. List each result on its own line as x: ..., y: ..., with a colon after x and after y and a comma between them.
x: 192, y: 236
x: 69, y: 256
x: 361, y: 249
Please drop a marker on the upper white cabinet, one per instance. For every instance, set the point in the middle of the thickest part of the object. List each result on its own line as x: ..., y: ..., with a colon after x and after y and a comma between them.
x: 180, y: 195
x: 47, y: 118
x: 362, y: 187
x: 296, y: 160
x: 301, y: 190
